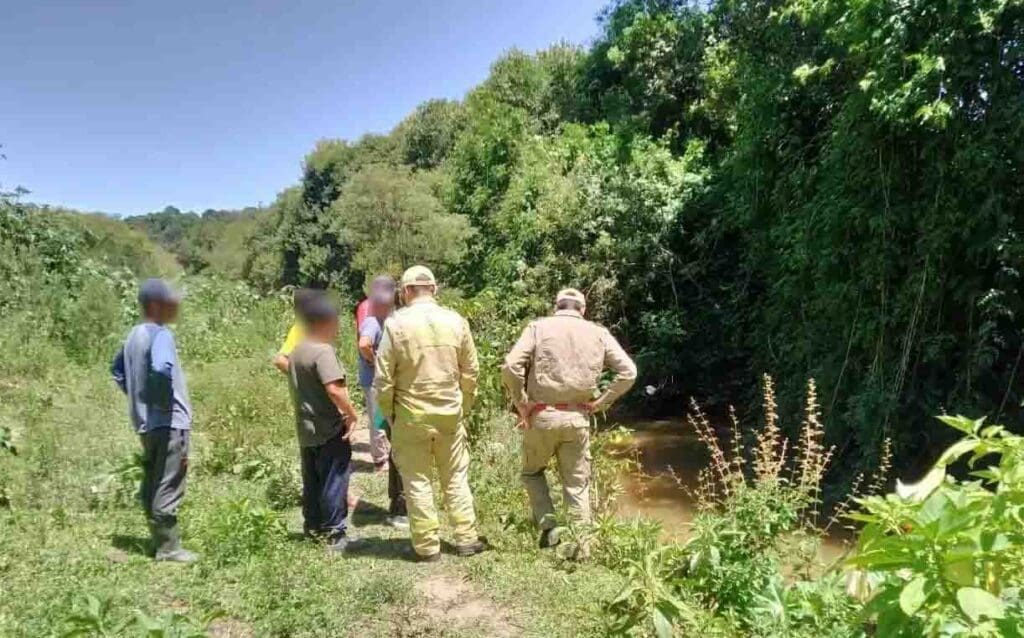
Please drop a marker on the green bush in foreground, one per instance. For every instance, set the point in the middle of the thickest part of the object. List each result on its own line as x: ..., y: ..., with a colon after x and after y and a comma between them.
x: 946, y: 557
x: 745, y: 569
x: 240, y: 530
x: 942, y: 558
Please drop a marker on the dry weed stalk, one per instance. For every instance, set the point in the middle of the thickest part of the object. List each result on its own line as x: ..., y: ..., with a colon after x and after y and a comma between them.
x: 720, y: 467
x: 770, y: 452
x: 724, y: 475
x: 738, y: 459
x: 884, y: 465
x: 705, y: 496
x: 813, y: 458
x: 847, y: 503
x: 858, y: 490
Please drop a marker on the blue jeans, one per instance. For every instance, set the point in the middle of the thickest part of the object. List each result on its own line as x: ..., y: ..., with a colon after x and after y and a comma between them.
x: 325, y: 475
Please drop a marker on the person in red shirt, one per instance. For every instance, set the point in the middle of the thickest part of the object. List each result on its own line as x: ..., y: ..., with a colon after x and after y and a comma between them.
x: 361, y: 312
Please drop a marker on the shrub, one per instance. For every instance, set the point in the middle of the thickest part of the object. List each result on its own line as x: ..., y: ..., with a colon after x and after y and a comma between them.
x: 947, y: 556
x: 756, y: 520
x: 93, y: 618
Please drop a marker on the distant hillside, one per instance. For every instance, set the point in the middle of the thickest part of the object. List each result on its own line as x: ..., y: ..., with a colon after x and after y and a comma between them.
x: 213, y: 241
x: 112, y: 241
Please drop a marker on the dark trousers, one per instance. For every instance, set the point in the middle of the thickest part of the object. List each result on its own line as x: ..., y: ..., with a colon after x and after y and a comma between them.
x: 325, y: 474
x: 395, y: 492
x: 164, y: 466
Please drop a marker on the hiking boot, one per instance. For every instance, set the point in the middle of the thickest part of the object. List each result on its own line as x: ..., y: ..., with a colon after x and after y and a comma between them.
x: 398, y: 522
x: 550, y: 538
x: 472, y: 549
x: 179, y: 555
x: 427, y: 558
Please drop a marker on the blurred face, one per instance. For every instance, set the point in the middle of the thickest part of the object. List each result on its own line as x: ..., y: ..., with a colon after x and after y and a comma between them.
x: 382, y: 304
x: 161, y: 311
x: 324, y: 329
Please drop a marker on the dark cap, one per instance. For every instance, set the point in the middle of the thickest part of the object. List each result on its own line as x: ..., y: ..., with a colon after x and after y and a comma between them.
x: 157, y: 290
x: 320, y: 309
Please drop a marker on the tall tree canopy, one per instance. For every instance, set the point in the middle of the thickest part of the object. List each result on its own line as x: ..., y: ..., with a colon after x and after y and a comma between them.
x: 811, y: 188
x: 391, y: 219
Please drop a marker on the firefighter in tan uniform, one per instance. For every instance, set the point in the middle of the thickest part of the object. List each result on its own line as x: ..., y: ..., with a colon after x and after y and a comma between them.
x: 552, y: 374
x: 426, y: 378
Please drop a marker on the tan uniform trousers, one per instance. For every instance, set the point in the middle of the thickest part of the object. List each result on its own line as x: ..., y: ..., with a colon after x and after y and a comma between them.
x: 417, y: 449
x: 569, y: 443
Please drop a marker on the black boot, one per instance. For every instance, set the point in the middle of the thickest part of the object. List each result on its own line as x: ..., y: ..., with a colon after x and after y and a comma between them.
x: 167, y: 540
x: 478, y: 546
x: 550, y: 538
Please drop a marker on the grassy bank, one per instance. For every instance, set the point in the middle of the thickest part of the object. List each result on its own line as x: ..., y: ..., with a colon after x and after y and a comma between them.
x: 72, y: 529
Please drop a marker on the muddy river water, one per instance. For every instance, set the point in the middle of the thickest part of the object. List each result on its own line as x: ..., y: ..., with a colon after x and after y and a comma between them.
x: 671, y: 456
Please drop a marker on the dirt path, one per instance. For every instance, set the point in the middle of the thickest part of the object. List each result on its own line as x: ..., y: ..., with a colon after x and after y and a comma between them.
x: 446, y: 601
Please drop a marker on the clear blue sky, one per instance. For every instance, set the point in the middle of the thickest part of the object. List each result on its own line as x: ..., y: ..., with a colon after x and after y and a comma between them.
x: 126, y: 107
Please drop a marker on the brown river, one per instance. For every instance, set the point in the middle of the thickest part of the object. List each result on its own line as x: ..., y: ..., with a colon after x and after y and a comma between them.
x: 670, y: 456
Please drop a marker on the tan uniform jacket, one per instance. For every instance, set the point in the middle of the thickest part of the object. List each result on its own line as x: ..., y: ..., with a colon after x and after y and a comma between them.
x: 426, y: 364
x: 559, y: 360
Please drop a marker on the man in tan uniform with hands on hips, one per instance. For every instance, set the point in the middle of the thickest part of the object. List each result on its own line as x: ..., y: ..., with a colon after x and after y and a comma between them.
x: 552, y: 374
x: 426, y: 381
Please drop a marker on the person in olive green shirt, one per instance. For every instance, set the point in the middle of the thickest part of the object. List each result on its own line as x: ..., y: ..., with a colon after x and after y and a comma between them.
x: 324, y: 417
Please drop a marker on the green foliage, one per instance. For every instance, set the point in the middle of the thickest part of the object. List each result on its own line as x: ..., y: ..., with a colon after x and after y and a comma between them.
x: 748, y: 565
x: 945, y: 556
x: 429, y: 134
x: 391, y: 219
x: 93, y: 620
x: 120, y: 486
x: 215, y: 242
x: 66, y: 276
x: 239, y: 530
x: 806, y: 609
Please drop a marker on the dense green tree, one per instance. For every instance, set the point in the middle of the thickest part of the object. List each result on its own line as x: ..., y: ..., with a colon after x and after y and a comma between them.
x: 392, y: 219
x: 428, y: 135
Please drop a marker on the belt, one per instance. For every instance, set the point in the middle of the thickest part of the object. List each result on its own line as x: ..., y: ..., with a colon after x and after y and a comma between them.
x: 563, y: 407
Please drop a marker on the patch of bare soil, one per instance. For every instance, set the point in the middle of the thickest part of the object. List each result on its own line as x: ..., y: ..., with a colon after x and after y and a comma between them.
x: 452, y: 603
x: 229, y: 628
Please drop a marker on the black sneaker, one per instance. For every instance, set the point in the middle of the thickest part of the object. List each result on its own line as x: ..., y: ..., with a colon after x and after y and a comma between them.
x: 339, y: 545
x: 472, y: 549
x: 550, y: 538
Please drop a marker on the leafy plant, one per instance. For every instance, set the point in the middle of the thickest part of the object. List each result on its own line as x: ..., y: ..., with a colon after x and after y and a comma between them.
x: 174, y: 625
x: 947, y: 556
x: 745, y: 565
x: 239, y: 530
x: 120, y: 486
x: 93, y: 620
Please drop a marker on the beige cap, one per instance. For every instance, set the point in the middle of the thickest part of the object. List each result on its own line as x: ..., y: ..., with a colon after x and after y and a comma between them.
x: 418, y: 276
x: 571, y: 293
